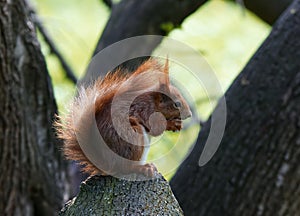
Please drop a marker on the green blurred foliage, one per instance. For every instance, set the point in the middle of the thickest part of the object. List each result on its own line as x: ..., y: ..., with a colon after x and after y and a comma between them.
x: 225, y: 34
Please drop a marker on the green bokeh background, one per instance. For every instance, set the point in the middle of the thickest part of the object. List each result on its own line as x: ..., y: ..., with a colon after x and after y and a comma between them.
x: 224, y: 33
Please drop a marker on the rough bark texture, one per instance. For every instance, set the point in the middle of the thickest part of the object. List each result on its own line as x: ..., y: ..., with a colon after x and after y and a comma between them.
x: 106, y: 195
x: 267, y: 10
x: 256, y: 168
x: 32, y: 180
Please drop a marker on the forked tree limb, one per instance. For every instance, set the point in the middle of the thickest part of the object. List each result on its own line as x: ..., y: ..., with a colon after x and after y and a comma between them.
x: 131, y: 18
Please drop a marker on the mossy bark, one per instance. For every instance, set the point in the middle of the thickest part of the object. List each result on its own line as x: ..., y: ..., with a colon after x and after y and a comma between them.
x: 106, y: 195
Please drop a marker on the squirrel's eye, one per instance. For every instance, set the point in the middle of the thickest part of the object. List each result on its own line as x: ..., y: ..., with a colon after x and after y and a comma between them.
x: 177, y: 104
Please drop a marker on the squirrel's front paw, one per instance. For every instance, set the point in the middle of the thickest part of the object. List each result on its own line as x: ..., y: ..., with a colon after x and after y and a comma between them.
x: 149, y: 169
x: 174, y: 125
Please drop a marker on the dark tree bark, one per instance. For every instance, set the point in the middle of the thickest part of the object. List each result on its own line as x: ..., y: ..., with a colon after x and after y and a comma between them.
x: 32, y: 180
x: 256, y: 168
x: 267, y: 10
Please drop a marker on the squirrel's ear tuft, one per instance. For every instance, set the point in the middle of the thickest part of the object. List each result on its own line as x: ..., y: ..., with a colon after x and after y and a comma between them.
x: 164, y: 81
x: 166, y: 68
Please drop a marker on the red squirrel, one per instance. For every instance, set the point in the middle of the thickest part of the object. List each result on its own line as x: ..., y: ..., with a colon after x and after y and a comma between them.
x: 126, y: 108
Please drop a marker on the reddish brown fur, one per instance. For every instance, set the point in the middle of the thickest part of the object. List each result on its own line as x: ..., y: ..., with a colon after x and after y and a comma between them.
x: 98, y: 99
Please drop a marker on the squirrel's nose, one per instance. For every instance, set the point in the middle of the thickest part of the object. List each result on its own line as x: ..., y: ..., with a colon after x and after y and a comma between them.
x: 189, y: 114
x: 186, y: 114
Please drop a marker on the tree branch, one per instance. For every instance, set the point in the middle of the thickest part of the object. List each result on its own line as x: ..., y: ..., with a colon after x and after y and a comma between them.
x: 53, y: 49
x: 125, y: 22
x: 131, y: 18
x: 108, y: 3
x: 267, y: 10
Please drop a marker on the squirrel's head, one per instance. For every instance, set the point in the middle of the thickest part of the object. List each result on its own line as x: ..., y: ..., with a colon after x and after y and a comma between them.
x: 151, y: 84
x: 169, y: 100
x: 172, y: 105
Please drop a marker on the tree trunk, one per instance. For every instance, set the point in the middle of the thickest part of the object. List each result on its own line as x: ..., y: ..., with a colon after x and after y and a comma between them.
x: 256, y: 168
x: 106, y: 195
x: 33, y: 177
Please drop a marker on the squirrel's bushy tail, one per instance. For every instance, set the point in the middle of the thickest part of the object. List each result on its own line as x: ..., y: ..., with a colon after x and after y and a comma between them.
x: 76, y: 122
